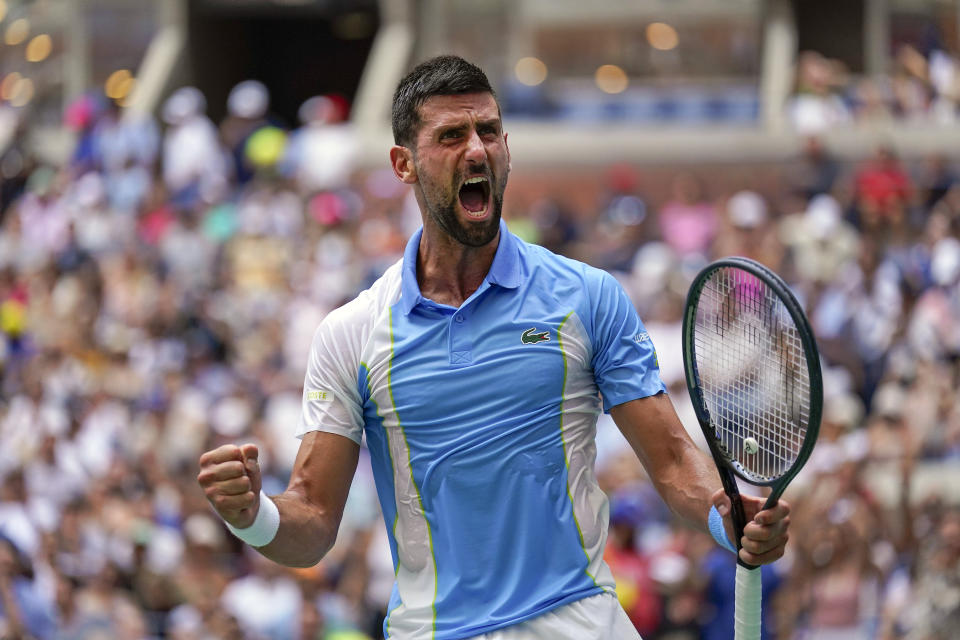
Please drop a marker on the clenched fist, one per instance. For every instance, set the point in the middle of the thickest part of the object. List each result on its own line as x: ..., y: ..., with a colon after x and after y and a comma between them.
x: 230, y: 478
x: 766, y: 532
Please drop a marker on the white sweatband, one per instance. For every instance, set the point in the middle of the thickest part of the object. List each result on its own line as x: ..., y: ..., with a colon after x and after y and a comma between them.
x: 264, y: 527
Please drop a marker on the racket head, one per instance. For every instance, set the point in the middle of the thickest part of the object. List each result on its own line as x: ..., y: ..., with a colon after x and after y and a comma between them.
x: 752, y: 370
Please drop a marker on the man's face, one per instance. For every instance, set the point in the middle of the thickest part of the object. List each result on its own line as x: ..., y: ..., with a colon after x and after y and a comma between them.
x: 462, y: 162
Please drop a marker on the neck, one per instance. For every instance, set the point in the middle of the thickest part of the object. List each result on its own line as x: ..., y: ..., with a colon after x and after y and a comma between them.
x: 449, y: 272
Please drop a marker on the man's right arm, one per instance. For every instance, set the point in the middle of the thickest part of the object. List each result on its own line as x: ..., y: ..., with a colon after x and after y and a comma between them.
x: 311, y: 507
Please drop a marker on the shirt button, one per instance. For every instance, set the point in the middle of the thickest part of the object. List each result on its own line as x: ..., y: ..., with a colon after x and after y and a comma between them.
x: 458, y: 318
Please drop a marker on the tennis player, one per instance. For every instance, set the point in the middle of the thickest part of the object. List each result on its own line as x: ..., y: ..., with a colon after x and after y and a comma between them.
x: 476, y: 367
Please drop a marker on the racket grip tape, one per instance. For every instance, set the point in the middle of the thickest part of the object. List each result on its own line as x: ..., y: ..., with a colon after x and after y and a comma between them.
x: 747, y: 598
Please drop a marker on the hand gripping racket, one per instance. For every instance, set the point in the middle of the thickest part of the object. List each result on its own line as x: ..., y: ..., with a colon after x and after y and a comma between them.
x: 754, y: 378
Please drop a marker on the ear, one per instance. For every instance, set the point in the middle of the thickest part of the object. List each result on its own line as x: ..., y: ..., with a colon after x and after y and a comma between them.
x: 401, y: 159
x: 507, y: 147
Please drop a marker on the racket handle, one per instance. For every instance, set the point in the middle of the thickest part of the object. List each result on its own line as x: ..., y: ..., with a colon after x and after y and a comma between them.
x: 746, y: 615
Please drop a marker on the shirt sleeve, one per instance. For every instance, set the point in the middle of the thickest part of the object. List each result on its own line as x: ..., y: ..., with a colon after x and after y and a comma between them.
x: 331, y: 400
x: 624, y: 362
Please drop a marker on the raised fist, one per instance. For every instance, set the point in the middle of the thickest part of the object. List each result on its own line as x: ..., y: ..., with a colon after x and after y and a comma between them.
x: 230, y: 478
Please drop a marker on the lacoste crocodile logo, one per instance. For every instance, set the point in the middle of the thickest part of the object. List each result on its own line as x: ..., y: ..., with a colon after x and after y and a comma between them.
x: 530, y: 336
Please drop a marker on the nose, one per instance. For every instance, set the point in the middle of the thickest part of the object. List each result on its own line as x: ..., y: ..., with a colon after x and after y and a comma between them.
x: 476, y: 153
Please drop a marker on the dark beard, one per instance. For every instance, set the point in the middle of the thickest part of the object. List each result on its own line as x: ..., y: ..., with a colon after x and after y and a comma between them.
x: 475, y: 234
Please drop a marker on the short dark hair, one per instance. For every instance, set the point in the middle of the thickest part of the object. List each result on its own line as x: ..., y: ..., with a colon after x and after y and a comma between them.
x: 440, y: 76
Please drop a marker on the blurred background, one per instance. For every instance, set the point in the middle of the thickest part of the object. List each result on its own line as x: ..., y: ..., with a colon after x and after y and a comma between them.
x: 189, y: 186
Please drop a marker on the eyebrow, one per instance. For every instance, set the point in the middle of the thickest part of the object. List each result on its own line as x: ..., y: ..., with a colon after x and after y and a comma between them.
x: 455, y: 127
x: 451, y: 128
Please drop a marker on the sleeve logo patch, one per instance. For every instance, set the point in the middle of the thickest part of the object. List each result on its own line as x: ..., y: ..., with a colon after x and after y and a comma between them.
x: 641, y: 337
x: 319, y: 395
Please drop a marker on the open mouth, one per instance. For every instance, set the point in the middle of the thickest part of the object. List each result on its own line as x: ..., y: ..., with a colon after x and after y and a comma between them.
x: 475, y: 195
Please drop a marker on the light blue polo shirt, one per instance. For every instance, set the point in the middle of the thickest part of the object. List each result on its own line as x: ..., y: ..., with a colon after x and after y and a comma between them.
x: 480, y: 422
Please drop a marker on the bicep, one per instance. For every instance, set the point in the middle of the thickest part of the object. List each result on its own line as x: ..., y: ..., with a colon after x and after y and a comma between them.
x: 324, y: 469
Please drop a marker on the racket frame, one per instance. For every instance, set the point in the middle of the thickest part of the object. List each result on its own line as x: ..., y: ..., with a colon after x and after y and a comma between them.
x: 726, y: 465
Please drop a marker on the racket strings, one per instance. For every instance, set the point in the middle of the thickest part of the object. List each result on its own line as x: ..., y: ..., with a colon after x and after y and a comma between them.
x: 753, y: 373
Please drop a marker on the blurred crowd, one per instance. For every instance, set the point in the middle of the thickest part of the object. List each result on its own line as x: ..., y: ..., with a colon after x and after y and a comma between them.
x: 922, y: 86
x: 158, y: 295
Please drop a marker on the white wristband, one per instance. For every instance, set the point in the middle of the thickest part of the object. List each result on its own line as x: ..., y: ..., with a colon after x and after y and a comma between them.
x: 264, y: 527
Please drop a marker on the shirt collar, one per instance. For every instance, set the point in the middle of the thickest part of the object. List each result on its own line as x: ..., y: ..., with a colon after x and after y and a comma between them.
x: 504, y: 271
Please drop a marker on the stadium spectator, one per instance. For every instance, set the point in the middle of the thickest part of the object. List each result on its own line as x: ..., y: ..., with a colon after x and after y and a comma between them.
x: 816, y: 170
x: 688, y: 222
x: 322, y: 153
x: 193, y: 162
x: 816, y: 105
x: 883, y: 191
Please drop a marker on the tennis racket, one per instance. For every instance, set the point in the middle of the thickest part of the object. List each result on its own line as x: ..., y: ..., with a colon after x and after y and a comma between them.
x: 753, y: 374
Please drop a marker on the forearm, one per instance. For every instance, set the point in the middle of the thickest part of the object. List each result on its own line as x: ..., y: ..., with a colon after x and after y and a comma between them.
x: 306, y: 532
x: 298, y: 527
x: 685, y: 476
x: 689, y: 483
x: 686, y: 483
